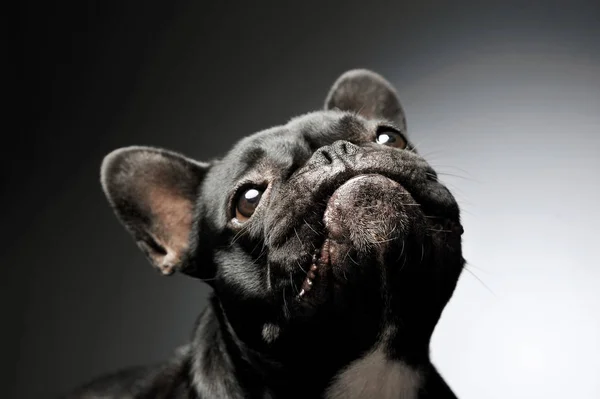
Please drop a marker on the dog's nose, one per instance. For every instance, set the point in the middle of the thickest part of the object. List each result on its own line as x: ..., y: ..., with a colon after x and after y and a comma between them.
x: 339, y: 150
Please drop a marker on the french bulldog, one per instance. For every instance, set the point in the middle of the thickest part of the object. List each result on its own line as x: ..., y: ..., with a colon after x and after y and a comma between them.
x: 330, y: 245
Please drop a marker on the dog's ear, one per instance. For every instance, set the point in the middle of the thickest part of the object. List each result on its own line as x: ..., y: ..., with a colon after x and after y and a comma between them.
x: 368, y: 94
x: 154, y: 192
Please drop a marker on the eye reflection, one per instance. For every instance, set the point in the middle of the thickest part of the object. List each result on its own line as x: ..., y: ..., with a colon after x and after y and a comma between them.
x: 247, y: 203
x: 390, y: 138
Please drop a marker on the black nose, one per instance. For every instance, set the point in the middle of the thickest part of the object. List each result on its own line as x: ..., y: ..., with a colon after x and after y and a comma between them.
x: 339, y: 150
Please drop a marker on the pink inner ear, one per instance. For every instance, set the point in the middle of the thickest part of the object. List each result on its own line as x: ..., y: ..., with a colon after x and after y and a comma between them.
x: 172, y: 215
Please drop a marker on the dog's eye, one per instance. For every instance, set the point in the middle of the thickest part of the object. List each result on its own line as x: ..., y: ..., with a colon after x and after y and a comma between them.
x: 247, y: 203
x: 391, y: 138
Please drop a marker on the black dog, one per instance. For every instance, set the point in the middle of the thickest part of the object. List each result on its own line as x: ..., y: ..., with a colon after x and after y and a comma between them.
x: 330, y: 244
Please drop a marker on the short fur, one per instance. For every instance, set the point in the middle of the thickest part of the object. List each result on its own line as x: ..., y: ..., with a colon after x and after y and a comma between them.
x: 387, y: 234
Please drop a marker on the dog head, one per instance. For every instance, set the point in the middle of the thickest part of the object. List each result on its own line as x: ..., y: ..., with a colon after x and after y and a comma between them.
x: 330, y: 224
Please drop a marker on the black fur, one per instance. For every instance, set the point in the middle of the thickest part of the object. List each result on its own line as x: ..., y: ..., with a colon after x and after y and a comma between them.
x: 393, y: 239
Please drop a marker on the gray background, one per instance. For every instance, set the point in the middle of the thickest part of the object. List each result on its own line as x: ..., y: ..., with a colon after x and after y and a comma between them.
x: 504, y: 100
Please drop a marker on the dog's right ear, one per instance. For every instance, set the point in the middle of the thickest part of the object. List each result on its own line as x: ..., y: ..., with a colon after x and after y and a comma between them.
x: 368, y: 94
x: 153, y: 193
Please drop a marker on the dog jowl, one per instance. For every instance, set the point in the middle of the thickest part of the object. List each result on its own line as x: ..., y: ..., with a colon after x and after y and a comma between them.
x: 329, y: 243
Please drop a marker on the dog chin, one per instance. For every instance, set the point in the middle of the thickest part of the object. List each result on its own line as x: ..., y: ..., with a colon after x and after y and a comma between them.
x: 365, y: 218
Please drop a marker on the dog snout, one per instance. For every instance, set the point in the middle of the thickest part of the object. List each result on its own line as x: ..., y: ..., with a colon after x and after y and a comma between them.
x: 340, y: 150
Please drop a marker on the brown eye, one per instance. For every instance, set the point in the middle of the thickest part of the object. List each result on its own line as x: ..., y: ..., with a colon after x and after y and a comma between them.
x: 390, y: 138
x: 247, y: 203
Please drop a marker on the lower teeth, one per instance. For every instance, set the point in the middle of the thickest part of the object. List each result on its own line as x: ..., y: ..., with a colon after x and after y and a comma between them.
x: 307, y: 284
x: 308, y: 281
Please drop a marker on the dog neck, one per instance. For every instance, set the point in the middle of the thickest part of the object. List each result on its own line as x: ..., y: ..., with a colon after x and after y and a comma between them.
x: 224, y: 366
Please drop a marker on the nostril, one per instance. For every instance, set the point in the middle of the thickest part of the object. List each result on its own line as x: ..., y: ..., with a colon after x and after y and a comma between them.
x: 327, y: 156
x: 345, y: 148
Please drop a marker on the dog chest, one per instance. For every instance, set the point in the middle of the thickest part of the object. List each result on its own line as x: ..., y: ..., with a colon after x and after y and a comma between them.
x: 375, y: 376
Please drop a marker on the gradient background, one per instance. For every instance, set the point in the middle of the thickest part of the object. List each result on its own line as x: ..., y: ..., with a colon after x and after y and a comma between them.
x: 504, y: 100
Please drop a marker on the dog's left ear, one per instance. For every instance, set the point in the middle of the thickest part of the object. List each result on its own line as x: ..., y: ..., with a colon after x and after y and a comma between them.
x: 368, y: 94
x: 153, y: 193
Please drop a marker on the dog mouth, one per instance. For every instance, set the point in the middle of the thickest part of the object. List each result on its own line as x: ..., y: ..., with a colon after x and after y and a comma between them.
x: 364, y: 212
x: 368, y: 215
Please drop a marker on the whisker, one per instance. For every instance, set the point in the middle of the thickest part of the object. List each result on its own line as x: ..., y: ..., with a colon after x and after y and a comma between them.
x: 254, y: 249
x: 269, y: 285
x: 471, y: 265
x: 351, y: 258
x: 260, y: 255
x: 383, y: 241
x: 238, y: 235
x: 480, y: 280
x: 287, y: 310
x: 392, y: 231
x: 297, y: 236
x: 310, y: 227
x: 416, y: 145
x: 301, y: 268
x: 437, y: 165
x: 440, y: 230
x: 293, y: 285
x: 458, y: 176
x: 404, y: 258
x: 465, y: 210
x: 431, y: 154
x: 377, y: 206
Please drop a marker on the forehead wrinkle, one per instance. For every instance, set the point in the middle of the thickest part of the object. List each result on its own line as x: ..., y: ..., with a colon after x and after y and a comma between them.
x: 278, y: 154
x: 250, y: 160
x: 289, y: 152
x: 337, y: 126
x: 286, y: 148
x: 351, y: 127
